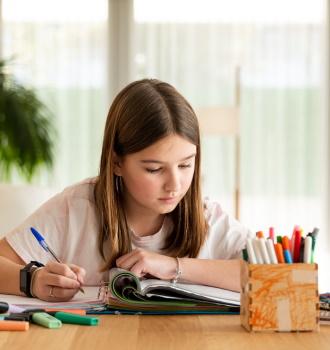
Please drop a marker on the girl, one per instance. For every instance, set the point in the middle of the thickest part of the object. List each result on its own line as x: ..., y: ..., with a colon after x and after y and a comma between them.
x: 143, y: 212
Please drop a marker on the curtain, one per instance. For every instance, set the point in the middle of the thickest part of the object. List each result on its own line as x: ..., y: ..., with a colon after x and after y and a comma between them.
x: 279, y: 48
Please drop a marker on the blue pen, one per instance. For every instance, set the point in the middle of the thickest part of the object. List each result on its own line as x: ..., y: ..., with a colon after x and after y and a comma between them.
x: 46, y: 247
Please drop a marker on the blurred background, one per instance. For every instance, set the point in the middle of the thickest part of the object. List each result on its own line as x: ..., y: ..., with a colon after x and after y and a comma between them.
x: 267, y: 58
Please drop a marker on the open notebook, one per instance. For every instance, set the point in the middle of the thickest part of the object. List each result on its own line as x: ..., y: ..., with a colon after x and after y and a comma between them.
x: 125, y: 291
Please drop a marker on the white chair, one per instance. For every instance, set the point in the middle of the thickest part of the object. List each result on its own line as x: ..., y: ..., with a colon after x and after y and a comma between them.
x: 18, y: 202
x: 224, y: 121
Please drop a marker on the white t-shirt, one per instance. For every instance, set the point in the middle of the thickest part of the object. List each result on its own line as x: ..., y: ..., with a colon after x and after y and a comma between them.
x: 69, y: 225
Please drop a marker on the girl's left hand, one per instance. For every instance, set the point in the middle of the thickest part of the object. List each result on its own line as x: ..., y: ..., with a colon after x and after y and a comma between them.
x: 142, y: 262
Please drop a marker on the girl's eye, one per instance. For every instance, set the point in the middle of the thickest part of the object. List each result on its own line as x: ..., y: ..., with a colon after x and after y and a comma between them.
x: 153, y: 171
x: 185, y: 166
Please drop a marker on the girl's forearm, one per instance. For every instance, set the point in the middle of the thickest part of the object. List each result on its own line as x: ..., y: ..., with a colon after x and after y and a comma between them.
x: 9, y: 277
x: 215, y: 273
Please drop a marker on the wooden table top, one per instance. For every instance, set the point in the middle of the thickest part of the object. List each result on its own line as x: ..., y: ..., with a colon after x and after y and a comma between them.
x: 161, y: 332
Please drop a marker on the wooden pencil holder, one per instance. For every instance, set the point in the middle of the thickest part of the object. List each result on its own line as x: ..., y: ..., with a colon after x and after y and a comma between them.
x: 279, y: 297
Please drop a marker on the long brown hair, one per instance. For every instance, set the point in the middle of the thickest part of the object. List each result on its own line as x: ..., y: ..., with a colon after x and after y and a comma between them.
x: 144, y: 112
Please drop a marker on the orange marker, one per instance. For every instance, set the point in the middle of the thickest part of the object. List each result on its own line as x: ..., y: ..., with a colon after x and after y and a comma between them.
x: 14, y: 326
x: 71, y: 311
x: 279, y: 253
x: 260, y: 234
x: 286, y: 243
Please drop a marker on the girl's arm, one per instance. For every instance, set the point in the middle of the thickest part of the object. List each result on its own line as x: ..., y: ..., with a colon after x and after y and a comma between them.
x: 64, y: 280
x: 215, y: 273
x: 10, y: 266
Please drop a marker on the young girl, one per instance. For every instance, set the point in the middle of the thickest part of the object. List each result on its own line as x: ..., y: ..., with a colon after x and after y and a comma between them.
x: 143, y: 212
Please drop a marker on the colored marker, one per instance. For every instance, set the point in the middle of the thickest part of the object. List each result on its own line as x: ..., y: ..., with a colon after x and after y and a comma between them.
x: 302, y: 250
x: 71, y: 311
x: 46, y: 247
x: 5, y: 307
x: 245, y: 254
x: 296, y: 246
x: 287, y: 256
x: 46, y: 320
x: 14, y: 326
x: 76, y: 319
x: 271, y: 234
x: 314, y: 235
x: 295, y: 230
x: 279, y: 252
x: 286, y: 249
x: 260, y: 234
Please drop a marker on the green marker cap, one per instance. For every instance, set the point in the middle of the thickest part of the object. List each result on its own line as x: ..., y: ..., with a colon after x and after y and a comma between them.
x: 66, y: 317
x: 46, y: 320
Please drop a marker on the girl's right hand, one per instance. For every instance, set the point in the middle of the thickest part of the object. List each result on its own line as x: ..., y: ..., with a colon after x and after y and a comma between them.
x: 57, y: 282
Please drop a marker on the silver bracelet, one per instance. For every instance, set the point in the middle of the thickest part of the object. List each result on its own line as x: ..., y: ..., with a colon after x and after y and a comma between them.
x: 178, y: 271
x: 32, y: 279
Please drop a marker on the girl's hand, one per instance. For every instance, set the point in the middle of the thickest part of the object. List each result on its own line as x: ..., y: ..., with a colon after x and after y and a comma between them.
x: 57, y: 282
x: 142, y: 262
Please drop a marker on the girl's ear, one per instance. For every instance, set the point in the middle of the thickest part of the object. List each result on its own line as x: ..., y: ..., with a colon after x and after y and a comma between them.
x: 117, y: 165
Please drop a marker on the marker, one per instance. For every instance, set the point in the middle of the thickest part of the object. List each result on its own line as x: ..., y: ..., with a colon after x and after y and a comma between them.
x: 308, y: 250
x: 245, y: 254
x: 287, y: 256
x: 286, y: 250
x: 279, y: 252
x: 5, y: 307
x: 296, y: 229
x: 314, y: 235
x: 250, y: 250
x: 71, y: 311
x: 14, y: 326
x: 271, y: 234
x: 302, y: 250
x: 313, y: 249
x: 263, y: 250
x: 296, y: 246
x: 45, y: 246
x: 46, y: 320
x: 271, y: 251
x: 257, y: 252
x: 315, y: 232
x: 66, y: 317
x: 260, y: 234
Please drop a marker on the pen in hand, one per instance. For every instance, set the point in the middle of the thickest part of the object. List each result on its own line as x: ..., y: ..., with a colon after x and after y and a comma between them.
x: 45, y: 246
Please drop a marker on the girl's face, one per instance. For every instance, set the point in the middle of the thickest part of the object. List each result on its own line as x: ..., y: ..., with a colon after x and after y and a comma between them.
x: 156, y: 178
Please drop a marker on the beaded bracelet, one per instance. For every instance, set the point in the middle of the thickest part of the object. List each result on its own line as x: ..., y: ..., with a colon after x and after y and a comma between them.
x: 178, y: 271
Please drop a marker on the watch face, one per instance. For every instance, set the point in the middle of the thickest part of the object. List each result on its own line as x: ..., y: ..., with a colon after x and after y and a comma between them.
x: 24, y: 281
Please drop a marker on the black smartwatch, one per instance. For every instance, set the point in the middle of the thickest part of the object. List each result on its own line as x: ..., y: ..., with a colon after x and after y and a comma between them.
x: 25, y: 275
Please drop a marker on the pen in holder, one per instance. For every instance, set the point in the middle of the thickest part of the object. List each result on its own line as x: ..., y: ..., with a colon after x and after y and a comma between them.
x: 279, y: 297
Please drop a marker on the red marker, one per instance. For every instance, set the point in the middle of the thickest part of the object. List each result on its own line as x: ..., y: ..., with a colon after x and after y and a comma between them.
x: 296, y: 246
x: 296, y: 228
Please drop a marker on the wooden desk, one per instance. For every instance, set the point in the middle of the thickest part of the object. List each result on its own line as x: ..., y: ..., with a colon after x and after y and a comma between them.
x: 161, y: 332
